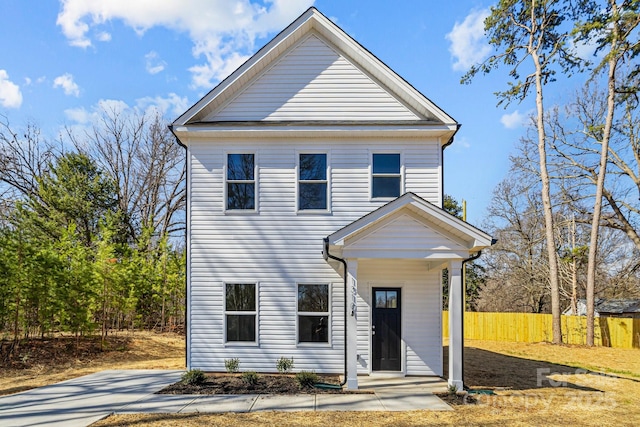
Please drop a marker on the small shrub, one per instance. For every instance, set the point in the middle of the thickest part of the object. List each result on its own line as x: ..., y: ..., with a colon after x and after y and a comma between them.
x: 250, y: 377
x: 284, y: 365
x: 193, y: 377
x: 306, y: 379
x: 232, y: 365
x: 452, y: 390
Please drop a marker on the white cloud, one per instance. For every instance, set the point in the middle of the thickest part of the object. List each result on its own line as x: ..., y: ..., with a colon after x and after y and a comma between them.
x: 514, y: 120
x: 78, y: 115
x: 468, y: 45
x: 92, y: 116
x: 67, y: 84
x: 10, y: 94
x: 154, y: 63
x: 172, y: 105
x: 462, y: 142
x: 216, y: 69
x: 103, y: 36
x: 222, y: 31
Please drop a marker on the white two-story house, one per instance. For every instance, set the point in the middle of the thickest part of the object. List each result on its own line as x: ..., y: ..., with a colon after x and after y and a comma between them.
x: 314, y: 221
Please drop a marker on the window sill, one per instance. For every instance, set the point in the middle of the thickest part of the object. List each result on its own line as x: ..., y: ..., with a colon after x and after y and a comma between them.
x: 313, y: 212
x: 383, y: 199
x: 241, y: 212
x: 241, y: 344
x: 313, y: 345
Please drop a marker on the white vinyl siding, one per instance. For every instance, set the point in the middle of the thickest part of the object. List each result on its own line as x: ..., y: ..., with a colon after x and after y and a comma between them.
x: 278, y: 248
x: 313, y: 82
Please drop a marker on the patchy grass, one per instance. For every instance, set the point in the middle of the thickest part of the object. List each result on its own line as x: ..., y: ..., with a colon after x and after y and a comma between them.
x: 535, y: 384
x: 40, y: 362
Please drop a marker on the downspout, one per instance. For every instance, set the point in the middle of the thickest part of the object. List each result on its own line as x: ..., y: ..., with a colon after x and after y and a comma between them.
x: 187, y: 254
x: 445, y: 145
x: 326, y: 255
x: 463, y: 295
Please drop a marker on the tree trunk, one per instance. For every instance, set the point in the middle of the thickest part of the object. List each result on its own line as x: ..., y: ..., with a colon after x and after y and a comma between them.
x: 546, y: 206
x: 602, y: 171
x: 574, y: 268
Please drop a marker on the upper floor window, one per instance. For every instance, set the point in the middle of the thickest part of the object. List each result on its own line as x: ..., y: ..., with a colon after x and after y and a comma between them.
x: 240, y: 312
x: 386, y: 179
x: 312, y: 182
x: 241, y: 183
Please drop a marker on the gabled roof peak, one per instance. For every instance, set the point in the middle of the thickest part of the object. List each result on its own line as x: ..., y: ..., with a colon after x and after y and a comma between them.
x: 312, y: 21
x: 477, y: 238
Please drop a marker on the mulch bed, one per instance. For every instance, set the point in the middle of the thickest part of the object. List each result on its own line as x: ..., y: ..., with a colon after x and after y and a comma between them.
x: 266, y: 384
x: 457, y: 399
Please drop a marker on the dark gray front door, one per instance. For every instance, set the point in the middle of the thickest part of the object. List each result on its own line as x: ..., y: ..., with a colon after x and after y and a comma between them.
x: 386, y: 330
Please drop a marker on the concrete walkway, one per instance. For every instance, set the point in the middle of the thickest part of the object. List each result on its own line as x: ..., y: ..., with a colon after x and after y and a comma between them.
x: 82, y: 401
x: 85, y: 400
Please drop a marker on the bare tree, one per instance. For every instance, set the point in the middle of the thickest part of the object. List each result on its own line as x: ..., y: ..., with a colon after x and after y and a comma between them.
x: 24, y: 156
x: 147, y: 166
x: 614, y: 30
x: 517, y: 264
x: 534, y: 31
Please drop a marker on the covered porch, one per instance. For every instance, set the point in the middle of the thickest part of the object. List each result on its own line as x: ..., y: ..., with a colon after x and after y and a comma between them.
x: 393, y: 258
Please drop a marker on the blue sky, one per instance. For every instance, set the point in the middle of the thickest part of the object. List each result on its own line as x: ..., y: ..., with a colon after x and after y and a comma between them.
x: 61, y: 61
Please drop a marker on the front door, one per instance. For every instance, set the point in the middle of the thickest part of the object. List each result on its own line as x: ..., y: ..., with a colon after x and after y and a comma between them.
x: 386, y: 330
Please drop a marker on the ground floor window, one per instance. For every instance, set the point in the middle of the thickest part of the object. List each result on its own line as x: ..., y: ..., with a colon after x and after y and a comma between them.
x: 313, y: 313
x: 240, y: 312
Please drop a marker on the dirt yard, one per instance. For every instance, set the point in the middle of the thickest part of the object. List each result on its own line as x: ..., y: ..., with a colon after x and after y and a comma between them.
x: 46, y: 361
x: 534, y: 384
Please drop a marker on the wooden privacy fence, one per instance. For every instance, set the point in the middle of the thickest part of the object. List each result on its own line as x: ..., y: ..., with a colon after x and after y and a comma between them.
x: 531, y: 327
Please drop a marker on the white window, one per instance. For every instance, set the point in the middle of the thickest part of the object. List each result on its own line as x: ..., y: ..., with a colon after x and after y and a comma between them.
x: 241, y: 183
x: 312, y: 182
x: 386, y: 180
x: 313, y: 313
x: 240, y: 312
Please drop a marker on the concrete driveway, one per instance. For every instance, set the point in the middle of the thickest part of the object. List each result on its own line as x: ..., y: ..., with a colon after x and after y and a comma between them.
x: 82, y: 401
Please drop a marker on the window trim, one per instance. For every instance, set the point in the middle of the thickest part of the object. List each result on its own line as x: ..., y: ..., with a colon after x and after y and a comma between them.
x: 314, y: 313
x: 400, y: 174
x: 255, y: 312
x: 327, y: 181
x: 238, y: 181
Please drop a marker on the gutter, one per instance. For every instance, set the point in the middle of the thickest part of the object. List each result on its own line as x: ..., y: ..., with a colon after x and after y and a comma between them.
x: 176, y: 136
x: 326, y: 255
x: 448, y: 143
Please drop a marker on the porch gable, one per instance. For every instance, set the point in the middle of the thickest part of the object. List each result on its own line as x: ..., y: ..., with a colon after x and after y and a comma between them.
x: 404, y: 234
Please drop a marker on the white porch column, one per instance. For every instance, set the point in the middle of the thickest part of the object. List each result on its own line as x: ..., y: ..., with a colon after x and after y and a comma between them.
x: 456, y: 312
x: 352, y: 330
